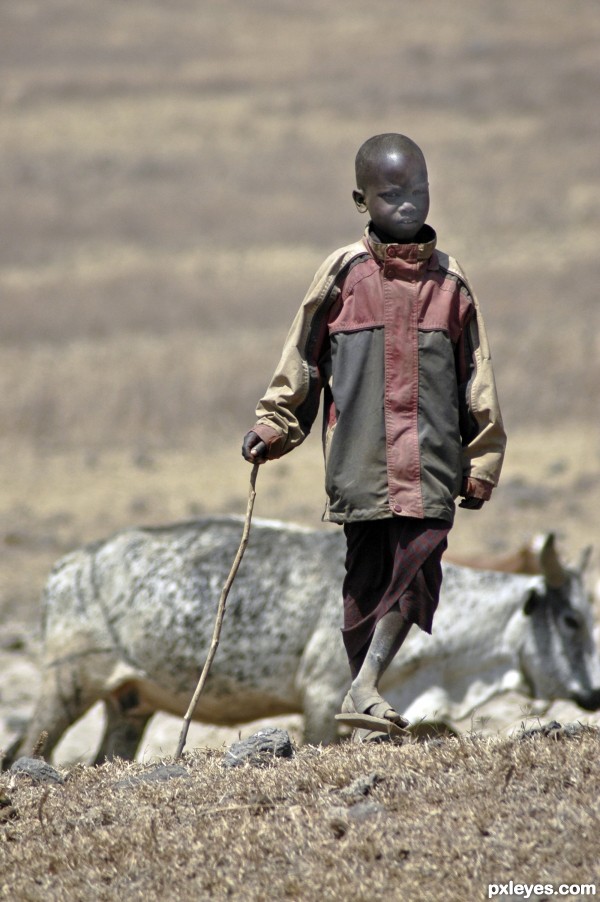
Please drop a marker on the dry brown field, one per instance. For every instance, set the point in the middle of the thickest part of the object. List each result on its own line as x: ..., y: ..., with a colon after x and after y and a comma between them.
x: 171, y: 175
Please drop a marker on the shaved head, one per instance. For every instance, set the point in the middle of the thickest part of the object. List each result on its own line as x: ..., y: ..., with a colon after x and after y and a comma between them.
x: 380, y: 149
x: 392, y: 186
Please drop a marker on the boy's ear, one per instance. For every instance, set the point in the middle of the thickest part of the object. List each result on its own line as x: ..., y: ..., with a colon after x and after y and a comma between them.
x: 359, y: 200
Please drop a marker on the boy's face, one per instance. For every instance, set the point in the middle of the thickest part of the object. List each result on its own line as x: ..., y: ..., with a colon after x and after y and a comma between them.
x: 396, y: 195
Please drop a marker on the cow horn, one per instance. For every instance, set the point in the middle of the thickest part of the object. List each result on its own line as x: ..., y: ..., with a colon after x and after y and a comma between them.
x: 553, y: 571
x: 584, y: 559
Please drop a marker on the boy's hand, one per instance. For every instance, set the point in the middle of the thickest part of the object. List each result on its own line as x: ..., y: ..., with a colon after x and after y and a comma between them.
x: 254, y: 450
x: 476, y: 492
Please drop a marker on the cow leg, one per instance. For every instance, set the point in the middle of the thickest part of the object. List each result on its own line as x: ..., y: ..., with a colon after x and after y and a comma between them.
x: 319, y: 710
x: 322, y: 680
x: 124, y: 727
x: 9, y: 756
x: 53, y: 715
x: 424, y: 730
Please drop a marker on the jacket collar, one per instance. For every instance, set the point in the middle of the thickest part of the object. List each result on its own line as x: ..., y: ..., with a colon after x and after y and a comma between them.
x: 418, y: 251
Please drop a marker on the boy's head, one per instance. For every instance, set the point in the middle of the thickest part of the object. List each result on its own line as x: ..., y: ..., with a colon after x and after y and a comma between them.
x: 392, y: 184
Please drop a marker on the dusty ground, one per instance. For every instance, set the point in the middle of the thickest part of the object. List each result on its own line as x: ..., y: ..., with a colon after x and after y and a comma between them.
x: 446, y: 820
x: 170, y: 179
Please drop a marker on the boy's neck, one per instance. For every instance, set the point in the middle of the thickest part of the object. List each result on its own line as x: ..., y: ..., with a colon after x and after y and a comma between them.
x: 383, y: 238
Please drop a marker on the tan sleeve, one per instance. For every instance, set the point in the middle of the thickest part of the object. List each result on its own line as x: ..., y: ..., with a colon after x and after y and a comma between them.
x: 483, y: 456
x: 290, y: 404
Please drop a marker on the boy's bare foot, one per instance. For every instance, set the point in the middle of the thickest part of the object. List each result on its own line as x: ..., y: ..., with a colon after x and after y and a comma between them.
x: 370, y: 711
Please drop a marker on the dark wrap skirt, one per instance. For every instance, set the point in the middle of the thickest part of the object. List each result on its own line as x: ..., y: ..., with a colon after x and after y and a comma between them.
x: 396, y: 560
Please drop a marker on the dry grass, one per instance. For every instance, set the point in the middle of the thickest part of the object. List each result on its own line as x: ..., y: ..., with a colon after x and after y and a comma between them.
x: 440, y: 821
x: 135, y: 390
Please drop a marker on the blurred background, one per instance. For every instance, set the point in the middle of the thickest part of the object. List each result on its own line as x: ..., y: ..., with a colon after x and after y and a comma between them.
x: 171, y: 176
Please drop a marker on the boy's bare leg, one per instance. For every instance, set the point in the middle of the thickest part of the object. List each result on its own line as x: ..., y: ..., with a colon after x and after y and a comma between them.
x: 389, y: 634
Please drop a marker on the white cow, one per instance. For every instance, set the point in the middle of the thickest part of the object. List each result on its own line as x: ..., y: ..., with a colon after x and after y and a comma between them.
x: 129, y: 620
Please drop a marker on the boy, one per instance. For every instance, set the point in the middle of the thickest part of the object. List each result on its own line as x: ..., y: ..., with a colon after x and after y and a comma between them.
x: 391, y: 331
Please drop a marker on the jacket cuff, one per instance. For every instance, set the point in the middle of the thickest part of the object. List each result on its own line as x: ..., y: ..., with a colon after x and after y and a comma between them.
x: 476, y: 474
x: 272, y: 439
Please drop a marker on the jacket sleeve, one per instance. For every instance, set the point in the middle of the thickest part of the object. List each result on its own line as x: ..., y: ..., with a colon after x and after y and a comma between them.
x: 484, y: 438
x: 290, y: 404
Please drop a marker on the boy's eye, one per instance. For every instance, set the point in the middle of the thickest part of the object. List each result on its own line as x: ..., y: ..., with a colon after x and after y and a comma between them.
x: 396, y: 196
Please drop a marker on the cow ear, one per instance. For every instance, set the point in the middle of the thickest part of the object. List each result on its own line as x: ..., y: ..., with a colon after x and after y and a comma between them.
x: 531, y: 602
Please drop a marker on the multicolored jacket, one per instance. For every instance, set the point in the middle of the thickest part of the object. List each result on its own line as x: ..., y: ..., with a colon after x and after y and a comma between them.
x: 393, y: 335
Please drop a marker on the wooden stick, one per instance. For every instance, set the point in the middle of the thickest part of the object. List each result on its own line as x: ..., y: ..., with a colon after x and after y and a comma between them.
x: 220, y: 614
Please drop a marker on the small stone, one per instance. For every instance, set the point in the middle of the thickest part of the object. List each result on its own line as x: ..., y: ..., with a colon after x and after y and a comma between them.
x: 363, y: 811
x: 260, y: 748
x: 38, y: 770
x: 360, y: 787
x: 161, y: 773
x: 339, y: 819
x: 555, y: 730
